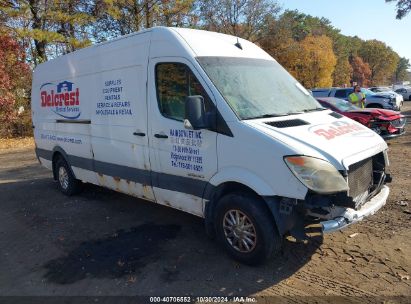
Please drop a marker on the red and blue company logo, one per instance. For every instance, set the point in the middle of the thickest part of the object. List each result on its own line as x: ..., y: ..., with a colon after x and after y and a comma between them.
x: 63, y: 99
x: 339, y: 128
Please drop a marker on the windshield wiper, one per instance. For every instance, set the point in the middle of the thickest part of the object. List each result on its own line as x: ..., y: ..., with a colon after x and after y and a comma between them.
x: 276, y: 115
x: 286, y: 114
x: 267, y: 116
x: 295, y: 113
x: 315, y: 109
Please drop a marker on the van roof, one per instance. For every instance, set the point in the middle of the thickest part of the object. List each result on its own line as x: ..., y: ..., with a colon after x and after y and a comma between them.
x: 179, y: 42
x: 202, y: 43
x: 206, y: 43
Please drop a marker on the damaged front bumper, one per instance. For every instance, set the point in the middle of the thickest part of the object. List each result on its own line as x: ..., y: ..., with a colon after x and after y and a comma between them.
x: 350, y: 216
x: 331, y: 212
x: 393, y: 135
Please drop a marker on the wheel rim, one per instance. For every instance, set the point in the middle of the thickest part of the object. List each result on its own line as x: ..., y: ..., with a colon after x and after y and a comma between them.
x: 377, y: 130
x: 63, y: 178
x: 239, y: 231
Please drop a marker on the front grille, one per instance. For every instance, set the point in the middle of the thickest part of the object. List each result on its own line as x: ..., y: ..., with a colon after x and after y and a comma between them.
x: 360, y: 180
x: 399, y: 123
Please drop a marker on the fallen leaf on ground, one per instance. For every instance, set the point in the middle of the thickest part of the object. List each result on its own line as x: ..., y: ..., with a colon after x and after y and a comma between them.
x: 404, y: 277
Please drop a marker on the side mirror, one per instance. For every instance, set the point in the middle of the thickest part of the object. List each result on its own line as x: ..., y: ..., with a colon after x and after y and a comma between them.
x: 195, y: 117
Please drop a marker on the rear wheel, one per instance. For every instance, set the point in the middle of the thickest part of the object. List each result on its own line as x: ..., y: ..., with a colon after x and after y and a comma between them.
x: 67, y: 182
x: 246, y: 229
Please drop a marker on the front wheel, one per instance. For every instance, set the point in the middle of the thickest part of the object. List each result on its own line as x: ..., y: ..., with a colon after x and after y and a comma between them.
x: 246, y: 229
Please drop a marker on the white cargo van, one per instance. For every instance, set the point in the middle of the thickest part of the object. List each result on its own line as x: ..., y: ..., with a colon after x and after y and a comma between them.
x: 209, y: 124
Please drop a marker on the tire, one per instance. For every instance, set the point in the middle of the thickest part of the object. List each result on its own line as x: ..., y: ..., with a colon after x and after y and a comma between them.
x: 67, y: 183
x: 252, y: 250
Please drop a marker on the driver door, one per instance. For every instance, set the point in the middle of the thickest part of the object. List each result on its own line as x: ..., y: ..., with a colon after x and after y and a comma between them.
x: 182, y: 160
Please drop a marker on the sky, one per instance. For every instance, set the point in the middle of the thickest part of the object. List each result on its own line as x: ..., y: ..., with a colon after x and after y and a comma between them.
x: 367, y: 19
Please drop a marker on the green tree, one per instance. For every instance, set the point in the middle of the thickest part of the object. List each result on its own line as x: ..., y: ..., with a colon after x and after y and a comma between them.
x: 403, y: 7
x: 120, y: 17
x: 381, y: 59
x: 242, y: 18
x: 401, y: 72
x: 301, y: 25
x: 51, y: 27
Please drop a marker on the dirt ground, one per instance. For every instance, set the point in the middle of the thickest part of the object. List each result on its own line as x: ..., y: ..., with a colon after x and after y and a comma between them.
x: 102, y: 243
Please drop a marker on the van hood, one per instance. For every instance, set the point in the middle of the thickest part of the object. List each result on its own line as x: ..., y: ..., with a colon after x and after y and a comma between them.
x: 323, y: 134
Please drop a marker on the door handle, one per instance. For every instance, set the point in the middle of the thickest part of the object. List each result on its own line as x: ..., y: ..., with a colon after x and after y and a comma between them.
x: 160, y: 136
x: 139, y: 134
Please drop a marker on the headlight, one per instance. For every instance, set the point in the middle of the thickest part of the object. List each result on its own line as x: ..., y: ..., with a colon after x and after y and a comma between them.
x: 316, y: 174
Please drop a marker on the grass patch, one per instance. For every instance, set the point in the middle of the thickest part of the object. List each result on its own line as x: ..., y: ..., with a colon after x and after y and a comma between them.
x: 16, y: 143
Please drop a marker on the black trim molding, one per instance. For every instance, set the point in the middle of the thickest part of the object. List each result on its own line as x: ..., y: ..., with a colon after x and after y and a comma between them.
x: 155, y: 179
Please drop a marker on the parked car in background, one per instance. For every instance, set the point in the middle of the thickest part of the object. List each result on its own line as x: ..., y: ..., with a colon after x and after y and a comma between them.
x: 386, y: 123
x: 388, y: 90
x: 380, y: 89
x: 405, y: 92
x: 373, y: 100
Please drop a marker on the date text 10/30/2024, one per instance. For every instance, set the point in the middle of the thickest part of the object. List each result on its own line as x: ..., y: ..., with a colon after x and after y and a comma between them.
x: 188, y: 299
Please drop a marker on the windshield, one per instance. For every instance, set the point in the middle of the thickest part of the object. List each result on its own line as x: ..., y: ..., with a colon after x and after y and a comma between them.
x: 256, y: 88
x: 367, y: 92
x: 344, y: 106
x: 384, y: 89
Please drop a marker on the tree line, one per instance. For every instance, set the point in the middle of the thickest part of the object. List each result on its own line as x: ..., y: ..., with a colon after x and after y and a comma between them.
x: 310, y: 48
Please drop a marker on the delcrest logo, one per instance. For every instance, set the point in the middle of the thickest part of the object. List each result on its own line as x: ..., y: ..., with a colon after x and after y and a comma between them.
x: 63, y: 99
x: 337, y: 128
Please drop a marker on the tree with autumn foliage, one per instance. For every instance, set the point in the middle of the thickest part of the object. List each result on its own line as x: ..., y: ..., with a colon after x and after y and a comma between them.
x: 49, y: 27
x: 361, y: 72
x: 342, y: 72
x: 317, y: 62
x: 381, y: 59
x: 15, y: 83
x: 242, y: 18
x: 120, y: 17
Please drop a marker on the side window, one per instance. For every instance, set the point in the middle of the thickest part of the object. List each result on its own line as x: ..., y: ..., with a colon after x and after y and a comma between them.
x: 341, y: 93
x: 174, y: 82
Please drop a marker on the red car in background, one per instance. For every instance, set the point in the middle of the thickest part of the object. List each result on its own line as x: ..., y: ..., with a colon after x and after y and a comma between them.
x: 386, y: 123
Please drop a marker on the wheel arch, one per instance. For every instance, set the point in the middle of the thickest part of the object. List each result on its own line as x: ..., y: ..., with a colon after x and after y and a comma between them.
x: 57, y: 153
x: 232, y: 180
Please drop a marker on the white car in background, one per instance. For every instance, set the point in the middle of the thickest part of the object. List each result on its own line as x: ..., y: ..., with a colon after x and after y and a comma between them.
x: 386, y: 90
x: 405, y: 92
